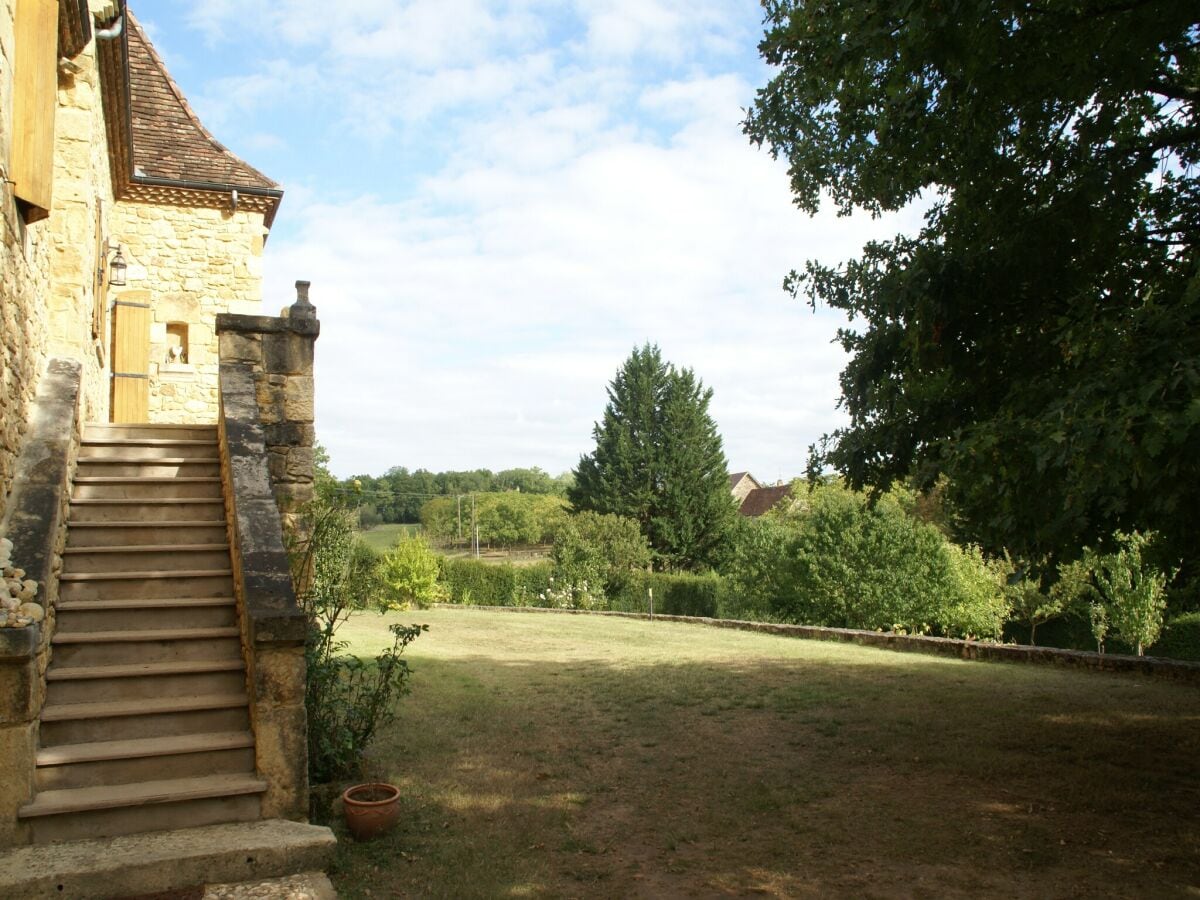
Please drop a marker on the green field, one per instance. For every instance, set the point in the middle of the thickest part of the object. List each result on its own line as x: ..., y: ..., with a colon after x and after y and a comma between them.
x: 546, y: 755
x: 384, y: 537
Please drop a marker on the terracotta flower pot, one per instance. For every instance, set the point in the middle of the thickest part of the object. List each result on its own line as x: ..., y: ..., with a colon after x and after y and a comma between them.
x: 371, y: 809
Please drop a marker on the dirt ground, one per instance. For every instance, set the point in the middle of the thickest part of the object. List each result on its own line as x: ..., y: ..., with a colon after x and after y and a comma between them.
x: 572, y: 756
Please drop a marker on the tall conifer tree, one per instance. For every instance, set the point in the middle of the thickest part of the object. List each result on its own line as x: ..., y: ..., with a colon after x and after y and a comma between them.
x: 659, y: 460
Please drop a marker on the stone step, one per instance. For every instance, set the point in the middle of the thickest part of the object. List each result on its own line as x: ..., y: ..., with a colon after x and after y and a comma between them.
x: 142, y: 864
x: 185, y: 583
x: 116, y: 709
x: 148, y: 430
x: 145, y: 488
x: 148, y: 759
x: 145, y: 558
x: 166, y: 467
x: 228, y: 713
x: 195, y: 509
x: 147, y: 449
x: 128, y: 615
x: 148, y: 681
x: 109, y: 648
x: 113, y: 534
x: 143, y: 806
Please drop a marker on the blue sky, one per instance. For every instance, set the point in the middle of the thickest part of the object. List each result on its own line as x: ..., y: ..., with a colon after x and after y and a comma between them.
x: 496, y: 201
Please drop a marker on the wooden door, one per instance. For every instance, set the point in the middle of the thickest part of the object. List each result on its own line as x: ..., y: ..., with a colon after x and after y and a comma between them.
x: 131, y: 357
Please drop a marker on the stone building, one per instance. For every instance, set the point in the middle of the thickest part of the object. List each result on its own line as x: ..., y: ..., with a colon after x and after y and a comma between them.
x: 104, y: 158
x: 741, y: 484
x: 155, y: 442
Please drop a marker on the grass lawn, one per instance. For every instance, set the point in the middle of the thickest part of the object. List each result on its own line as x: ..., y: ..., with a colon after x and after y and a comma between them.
x: 583, y: 756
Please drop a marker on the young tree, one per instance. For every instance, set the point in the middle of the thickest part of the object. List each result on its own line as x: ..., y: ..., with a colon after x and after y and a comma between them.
x: 409, y: 575
x: 1038, y: 341
x: 658, y: 460
x: 1132, y: 592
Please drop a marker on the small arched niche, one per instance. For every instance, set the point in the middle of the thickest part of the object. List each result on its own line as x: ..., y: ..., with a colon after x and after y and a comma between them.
x: 177, y: 345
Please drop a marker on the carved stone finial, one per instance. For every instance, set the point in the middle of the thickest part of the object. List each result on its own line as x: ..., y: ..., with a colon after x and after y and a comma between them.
x: 303, y: 308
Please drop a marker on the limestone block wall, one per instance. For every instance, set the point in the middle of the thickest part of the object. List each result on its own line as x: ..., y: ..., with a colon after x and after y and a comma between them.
x: 196, y: 263
x: 83, y: 202
x: 279, y: 354
x: 47, y: 268
x: 24, y: 282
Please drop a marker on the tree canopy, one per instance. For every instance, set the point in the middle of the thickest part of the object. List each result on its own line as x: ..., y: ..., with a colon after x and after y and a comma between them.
x: 1038, y: 341
x: 659, y: 461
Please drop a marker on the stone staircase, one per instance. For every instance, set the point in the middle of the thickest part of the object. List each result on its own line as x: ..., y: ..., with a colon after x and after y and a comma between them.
x: 146, y: 721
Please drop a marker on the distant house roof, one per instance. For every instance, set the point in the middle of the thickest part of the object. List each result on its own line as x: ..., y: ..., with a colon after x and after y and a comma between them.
x: 761, y: 500
x: 160, y: 150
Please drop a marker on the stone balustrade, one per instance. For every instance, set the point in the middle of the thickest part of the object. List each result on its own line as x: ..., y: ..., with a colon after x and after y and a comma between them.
x: 35, y: 521
x: 266, y: 440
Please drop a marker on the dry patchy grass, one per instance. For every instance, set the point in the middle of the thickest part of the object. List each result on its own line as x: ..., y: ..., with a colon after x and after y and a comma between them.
x: 578, y: 756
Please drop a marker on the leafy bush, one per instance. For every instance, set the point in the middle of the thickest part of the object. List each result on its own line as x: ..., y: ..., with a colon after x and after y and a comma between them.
x: 408, y: 575
x: 837, y: 560
x: 760, y: 568
x: 605, y: 551
x: 347, y: 700
x: 1180, y: 638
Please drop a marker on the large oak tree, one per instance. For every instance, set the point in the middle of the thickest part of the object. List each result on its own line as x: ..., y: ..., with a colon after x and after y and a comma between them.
x: 1038, y: 341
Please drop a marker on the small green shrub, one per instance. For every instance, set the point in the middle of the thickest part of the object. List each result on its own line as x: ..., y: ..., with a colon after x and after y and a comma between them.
x: 347, y: 699
x: 408, y: 575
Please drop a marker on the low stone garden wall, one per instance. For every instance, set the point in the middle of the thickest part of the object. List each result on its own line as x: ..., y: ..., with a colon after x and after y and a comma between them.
x: 934, y: 646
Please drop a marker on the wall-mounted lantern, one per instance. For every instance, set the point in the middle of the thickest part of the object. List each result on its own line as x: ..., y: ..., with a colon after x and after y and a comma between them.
x: 116, y: 268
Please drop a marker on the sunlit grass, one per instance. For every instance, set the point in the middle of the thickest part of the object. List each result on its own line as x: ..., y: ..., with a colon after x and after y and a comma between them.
x: 553, y: 755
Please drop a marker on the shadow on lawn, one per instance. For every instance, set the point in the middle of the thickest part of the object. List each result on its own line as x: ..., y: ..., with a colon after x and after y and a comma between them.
x: 882, y: 775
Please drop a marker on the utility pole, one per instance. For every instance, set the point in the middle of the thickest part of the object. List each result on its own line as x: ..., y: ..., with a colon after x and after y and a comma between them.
x: 475, y: 527
x: 459, y: 499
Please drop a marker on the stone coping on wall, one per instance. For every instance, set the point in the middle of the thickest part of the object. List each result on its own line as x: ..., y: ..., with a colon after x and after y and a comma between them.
x: 272, y: 611
x: 34, y: 516
x: 1178, y: 669
x: 237, y: 323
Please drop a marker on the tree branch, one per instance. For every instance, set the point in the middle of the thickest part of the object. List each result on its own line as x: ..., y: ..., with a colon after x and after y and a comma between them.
x: 1173, y: 91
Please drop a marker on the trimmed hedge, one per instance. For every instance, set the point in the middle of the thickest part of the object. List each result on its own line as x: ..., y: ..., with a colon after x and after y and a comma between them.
x: 469, y: 581
x: 674, y: 595
x: 1180, y: 638
x: 494, y: 584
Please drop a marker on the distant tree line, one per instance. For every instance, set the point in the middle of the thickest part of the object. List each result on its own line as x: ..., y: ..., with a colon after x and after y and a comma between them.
x: 398, y: 495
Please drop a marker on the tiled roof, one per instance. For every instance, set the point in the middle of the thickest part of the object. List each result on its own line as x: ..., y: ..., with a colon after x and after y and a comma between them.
x: 763, y: 499
x: 169, y: 141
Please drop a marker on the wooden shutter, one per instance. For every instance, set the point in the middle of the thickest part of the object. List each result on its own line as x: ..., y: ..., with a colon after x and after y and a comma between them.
x: 35, y: 86
x: 131, y: 357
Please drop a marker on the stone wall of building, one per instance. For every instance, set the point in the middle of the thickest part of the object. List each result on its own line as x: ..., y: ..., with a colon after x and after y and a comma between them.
x: 195, y: 263
x: 47, y: 268
x: 83, y: 201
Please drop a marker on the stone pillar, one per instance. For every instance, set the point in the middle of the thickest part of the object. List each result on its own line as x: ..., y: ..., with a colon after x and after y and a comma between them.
x: 279, y: 352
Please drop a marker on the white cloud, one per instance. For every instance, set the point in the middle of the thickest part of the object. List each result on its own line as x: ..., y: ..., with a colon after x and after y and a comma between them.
x: 578, y: 184
x: 478, y: 323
